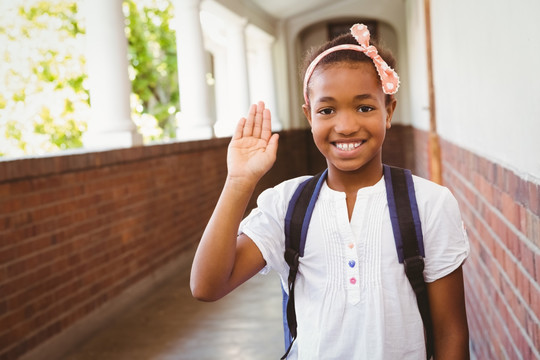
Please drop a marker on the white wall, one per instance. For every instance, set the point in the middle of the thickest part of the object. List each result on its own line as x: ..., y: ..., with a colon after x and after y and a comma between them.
x: 486, y: 77
x: 248, y: 10
x: 418, y: 82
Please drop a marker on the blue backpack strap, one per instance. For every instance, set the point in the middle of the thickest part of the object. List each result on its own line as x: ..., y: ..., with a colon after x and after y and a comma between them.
x: 297, y: 220
x: 409, y: 239
x: 403, y: 212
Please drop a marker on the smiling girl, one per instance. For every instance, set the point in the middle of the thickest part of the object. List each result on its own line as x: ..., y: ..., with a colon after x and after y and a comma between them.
x: 364, y: 309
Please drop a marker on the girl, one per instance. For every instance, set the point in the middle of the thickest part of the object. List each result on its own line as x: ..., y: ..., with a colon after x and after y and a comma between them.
x: 364, y: 311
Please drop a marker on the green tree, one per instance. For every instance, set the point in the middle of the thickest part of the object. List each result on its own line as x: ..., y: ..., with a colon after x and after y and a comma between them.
x: 44, y: 99
x: 153, y: 61
x: 44, y: 104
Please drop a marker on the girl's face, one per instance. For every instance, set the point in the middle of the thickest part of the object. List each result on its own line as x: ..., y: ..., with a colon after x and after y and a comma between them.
x: 349, y: 117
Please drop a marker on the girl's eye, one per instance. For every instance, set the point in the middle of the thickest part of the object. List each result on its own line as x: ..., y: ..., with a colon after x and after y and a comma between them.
x: 326, y: 111
x: 365, y: 108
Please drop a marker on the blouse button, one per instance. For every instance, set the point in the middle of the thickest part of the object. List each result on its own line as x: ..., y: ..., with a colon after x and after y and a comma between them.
x: 351, y: 245
x: 353, y: 280
x: 352, y: 263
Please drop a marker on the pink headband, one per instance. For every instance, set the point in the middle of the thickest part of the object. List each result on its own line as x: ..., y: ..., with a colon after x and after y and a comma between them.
x: 389, y: 78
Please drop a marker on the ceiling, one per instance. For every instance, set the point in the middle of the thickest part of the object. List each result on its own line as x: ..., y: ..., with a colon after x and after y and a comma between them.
x: 282, y: 9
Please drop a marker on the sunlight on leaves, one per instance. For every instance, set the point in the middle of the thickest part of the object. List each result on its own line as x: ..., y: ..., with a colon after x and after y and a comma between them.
x: 44, y: 94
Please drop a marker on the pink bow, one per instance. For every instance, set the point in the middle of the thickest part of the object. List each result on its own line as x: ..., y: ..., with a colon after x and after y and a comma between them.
x: 389, y: 78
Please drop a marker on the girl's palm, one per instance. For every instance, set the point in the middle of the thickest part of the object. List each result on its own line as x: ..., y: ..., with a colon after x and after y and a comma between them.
x: 253, y: 148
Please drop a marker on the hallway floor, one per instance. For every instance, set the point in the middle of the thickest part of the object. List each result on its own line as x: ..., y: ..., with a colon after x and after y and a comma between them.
x: 171, y: 325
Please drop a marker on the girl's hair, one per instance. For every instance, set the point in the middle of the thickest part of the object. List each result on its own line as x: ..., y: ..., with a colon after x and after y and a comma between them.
x: 349, y: 56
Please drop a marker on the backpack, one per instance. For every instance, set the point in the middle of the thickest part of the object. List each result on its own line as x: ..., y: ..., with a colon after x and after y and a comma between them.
x: 407, y: 235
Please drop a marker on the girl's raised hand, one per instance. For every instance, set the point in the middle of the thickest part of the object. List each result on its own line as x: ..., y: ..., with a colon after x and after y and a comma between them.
x: 253, y: 148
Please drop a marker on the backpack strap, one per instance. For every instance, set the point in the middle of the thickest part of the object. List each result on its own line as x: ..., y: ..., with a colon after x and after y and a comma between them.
x: 296, y: 226
x: 409, y: 239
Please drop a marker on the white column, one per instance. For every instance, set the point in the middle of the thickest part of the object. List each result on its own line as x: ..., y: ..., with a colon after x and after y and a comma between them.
x: 238, y: 99
x: 261, y: 71
x: 194, y: 119
x: 110, y: 88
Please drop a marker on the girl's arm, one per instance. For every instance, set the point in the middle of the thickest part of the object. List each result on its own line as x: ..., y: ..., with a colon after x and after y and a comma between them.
x: 447, y: 305
x: 224, y: 260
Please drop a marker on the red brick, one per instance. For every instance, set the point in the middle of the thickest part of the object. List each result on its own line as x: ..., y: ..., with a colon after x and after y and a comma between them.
x: 533, y: 229
x: 510, y: 209
x: 534, y: 198
x: 523, y: 218
x: 537, y: 266
x: 500, y: 177
x: 511, y: 183
x: 486, y: 189
x: 513, y: 243
x: 535, y: 301
x: 533, y: 330
x: 527, y: 259
x: 524, y: 286
x: 510, y: 267
x: 499, y: 254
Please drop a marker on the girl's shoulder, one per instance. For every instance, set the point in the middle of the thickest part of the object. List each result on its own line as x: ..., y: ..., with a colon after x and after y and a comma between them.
x: 434, y: 200
x: 288, y: 187
x: 291, y: 184
x: 282, y: 192
x: 428, y: 188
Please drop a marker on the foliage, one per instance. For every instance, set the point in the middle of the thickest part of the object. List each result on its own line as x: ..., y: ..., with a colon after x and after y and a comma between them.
x: 44, y: 104
x: 44, y: 97
x: 153, y: 61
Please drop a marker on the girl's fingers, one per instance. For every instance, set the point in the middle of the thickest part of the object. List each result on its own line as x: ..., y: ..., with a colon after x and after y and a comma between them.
x: 266, y: 131
x: 248, y: 127
x: 239, y: 129
x: 273, y: 144
x: 257, y: 126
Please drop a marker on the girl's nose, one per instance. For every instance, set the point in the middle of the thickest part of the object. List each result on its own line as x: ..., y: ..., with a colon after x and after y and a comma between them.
x: 346, y: 124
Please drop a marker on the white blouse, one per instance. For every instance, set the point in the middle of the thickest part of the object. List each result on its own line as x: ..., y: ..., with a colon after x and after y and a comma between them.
x: 353, y: 299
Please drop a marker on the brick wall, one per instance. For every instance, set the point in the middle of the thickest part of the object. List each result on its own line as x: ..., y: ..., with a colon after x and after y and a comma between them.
x: 78, y: 230
x: 501, y: 212
x: 421, y: 153
x: 398, y: 147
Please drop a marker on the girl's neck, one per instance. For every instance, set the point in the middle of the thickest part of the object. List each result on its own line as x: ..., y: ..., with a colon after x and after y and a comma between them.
x: 352, y: 181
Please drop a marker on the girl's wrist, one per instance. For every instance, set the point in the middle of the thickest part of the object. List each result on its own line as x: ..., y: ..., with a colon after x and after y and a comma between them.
x: 240, y: 184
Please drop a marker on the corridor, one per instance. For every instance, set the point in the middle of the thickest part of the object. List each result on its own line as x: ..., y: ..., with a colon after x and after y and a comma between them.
x: 86, y: 230
x: 170, y: 325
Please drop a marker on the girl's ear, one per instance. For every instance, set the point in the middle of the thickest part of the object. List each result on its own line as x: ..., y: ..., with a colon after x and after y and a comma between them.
x: 307, y: 112
x: 390, y: 107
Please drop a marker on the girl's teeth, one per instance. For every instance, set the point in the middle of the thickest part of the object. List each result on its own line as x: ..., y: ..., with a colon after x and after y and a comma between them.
x: 348, y: 146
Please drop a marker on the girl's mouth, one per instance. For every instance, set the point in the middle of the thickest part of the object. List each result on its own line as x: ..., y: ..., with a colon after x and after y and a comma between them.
x: 348, y: 146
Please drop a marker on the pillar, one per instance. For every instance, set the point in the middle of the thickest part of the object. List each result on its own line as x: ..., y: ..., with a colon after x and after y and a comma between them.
x: 238, y: 99
x: 110, y: 124
x: 194, y: 119
x: 261, y: 70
